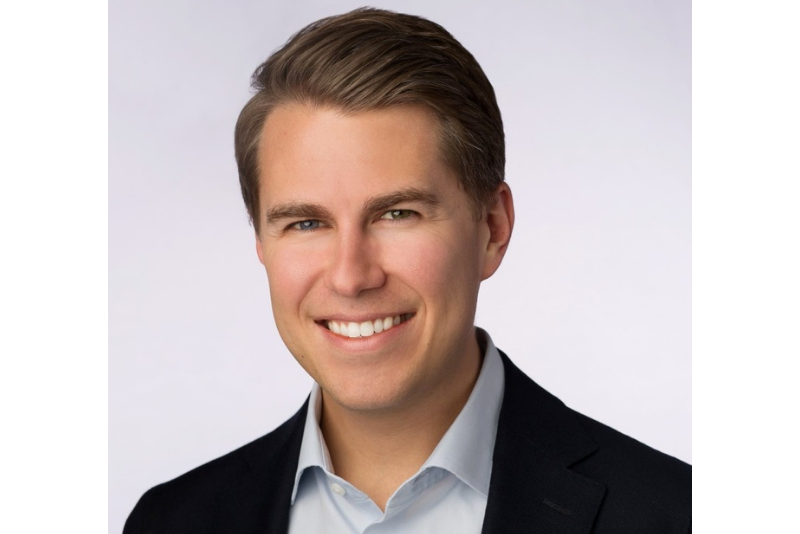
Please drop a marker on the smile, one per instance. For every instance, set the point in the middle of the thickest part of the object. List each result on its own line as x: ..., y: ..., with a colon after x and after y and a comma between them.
x: 366, y: 328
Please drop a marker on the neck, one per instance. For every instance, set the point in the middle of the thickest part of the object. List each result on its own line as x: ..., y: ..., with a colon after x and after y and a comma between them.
x: 377, y: 451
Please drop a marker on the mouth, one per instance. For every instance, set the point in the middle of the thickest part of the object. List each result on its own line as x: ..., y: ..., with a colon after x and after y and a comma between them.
x: 370, y: 328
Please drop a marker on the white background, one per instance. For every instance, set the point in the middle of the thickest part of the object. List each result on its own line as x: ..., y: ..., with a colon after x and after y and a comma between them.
x: 593, y: 300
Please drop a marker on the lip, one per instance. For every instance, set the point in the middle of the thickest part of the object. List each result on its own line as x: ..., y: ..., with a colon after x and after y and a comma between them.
x: 362, y: 317
x: 372, y: 343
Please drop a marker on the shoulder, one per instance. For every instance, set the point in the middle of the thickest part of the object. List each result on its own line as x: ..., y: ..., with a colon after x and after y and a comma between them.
x: 643, y: 490
x: 194, y: 501
x: 639, y: 480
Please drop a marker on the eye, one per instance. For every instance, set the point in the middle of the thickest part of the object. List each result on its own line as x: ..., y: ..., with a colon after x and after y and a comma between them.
x: 396, y: 215
x: 305, y: 225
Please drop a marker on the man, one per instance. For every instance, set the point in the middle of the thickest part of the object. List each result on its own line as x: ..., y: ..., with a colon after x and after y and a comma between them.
x: 371, y: 163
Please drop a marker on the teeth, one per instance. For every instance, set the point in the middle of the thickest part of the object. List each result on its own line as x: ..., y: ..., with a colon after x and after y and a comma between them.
x: 367, y: 328
x: 353, y: 330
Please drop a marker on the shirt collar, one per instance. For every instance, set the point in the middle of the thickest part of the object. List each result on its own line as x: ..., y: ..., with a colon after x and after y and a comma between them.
x: 467, y: 447
x: 465, y: 450
x: 313, y: 451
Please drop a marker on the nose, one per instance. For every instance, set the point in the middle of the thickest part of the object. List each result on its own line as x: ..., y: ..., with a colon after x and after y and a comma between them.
x: 354, y: 264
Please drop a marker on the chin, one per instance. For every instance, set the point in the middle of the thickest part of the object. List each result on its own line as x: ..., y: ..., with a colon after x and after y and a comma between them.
x: 370, y: 397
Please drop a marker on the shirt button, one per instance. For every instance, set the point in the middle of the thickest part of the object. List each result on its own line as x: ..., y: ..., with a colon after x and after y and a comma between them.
x: 337, y: 489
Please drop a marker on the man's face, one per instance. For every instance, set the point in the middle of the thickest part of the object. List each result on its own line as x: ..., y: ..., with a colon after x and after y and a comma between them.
x: 372, y: 253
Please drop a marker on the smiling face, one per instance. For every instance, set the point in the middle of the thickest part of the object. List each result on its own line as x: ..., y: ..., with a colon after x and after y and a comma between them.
x: 373, y: 255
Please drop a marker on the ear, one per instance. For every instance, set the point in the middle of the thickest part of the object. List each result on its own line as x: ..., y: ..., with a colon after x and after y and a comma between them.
x: 500, y: 220
x: 259, y: 249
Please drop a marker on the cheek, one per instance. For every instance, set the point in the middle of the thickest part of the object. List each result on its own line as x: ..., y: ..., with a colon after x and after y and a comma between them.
x: 291, y: 272
x: 442, y: 266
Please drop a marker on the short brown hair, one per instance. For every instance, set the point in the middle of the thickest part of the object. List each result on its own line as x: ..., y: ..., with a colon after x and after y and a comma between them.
x: 371, y: 59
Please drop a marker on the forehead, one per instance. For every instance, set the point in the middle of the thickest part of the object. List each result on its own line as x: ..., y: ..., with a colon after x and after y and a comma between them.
x: 305, y: 150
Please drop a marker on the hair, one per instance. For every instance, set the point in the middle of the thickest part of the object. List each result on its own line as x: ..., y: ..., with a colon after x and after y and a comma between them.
x: 372, y: 59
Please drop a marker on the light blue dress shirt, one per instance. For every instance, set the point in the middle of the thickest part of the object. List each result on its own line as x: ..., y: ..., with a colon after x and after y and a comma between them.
x: 447, y: 494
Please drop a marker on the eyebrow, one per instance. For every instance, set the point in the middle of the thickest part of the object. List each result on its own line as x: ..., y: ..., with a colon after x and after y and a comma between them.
x: 296, y: 210
x: 302, y: 210
x: 409, y: 194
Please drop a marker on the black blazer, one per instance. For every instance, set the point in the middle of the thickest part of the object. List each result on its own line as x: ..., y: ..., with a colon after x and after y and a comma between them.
x: 554, y: 471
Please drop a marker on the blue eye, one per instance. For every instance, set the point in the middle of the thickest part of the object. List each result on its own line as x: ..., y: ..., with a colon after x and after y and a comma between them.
x: 306, y: 225
x: 395, y: 215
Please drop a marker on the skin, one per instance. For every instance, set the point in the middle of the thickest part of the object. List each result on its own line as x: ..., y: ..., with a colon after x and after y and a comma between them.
x: 361, y: 220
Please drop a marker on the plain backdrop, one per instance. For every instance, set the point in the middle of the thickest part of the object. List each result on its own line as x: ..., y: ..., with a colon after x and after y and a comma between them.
x: 593, y: 300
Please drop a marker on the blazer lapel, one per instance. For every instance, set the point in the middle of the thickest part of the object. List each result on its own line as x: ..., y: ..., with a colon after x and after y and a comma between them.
x: 532, y: 488
x: 260, y: 503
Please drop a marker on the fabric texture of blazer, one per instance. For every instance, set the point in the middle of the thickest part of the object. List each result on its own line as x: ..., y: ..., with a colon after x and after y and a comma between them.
x: 554, y: 471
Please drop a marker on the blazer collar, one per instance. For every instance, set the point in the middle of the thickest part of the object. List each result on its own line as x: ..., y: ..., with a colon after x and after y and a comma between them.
x: 532, y: 487
x: 259, y: 502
